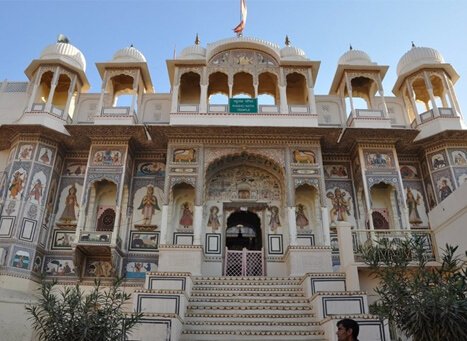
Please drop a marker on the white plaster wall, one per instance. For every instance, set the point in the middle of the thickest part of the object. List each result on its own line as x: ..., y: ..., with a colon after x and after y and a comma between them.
x: 3, y: 159
x: 12, y: 105
x: 448, y: 221
x: 86, y: 108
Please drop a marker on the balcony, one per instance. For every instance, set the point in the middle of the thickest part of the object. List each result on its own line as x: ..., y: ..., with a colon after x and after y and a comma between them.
x: 266, y: 115
x: 368, y: 118
x: 361, y: 238
x: 54, y: 118
x: 116, y: 116
x: 430, y: 124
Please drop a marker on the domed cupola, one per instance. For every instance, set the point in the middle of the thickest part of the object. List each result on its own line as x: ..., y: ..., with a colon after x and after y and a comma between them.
x: 290, y: 52
x: 64, y: 51
x: 355, y: 57
x: 195, y: 51
x: 129, y: 55
x: 416, y: 57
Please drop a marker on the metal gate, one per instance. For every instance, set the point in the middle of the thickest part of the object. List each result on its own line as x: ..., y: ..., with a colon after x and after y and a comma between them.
x: 243, y: 263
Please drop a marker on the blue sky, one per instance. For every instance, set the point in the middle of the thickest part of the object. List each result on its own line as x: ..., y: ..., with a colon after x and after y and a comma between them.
x: 323, y: 29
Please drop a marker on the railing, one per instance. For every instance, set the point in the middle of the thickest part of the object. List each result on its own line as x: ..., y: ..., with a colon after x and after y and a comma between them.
x: 295, y: 109
x: 427, y: 115
x: 116, y: 111
x: 369, y: 113
x: 244, y: 263
x: 218, y: 108
x: 40, y: 107
x: 361, y: 238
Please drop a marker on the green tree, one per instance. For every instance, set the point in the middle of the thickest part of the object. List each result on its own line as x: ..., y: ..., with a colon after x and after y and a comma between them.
x: 426, y: 302
x: 72, y: 314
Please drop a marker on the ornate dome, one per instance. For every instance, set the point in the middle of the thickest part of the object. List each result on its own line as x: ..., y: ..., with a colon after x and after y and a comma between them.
x: 193, y: 52
x: 66, y: 53
x: 355, y: 57
x: 417, y: 56
x: 292, y: 53
x: 129, y: 55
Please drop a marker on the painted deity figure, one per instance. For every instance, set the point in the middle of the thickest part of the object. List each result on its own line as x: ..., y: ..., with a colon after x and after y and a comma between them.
x: 412, y: 203
x: 70, y: 202
x: 340, y: 205
x: 300, y: 217
x: 459, y: 159
x: 148, y: 205
x: 213, y: 220
x: 16, y: 184
x: 444, y: 189
x: 36, y: 191
x: 187, y: 216
x: 274, y: 221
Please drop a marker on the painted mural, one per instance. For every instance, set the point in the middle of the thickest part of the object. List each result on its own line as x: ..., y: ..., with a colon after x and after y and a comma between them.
x: 45, y: 155
x: 143, y: 241
x: 37, y: 188
x: 59, y: 267
x: 340, y: 204
x: 233, y: 184
x: 26, y: 151
x: 459, y: 158
x: 213, y: 220
x: 304, y: 156
x: 147, y: 201
x: 416, y: 206
x: 379, y: 159
x: 184, y: 155
x: 107, y: 157
x: 74, y: 168
x: 337, y: 171
x: 186, y: 218
x: 138, y: 268
x: 445, y: 188
x: 21, y: 259
x: 438, y: 161
x: 301, y: 218
x: 409, y: 172
x: 149, y: 168
x: 68, y: 207
x: 62, y: 240
x: 99, y: 268
x: 17, y: 184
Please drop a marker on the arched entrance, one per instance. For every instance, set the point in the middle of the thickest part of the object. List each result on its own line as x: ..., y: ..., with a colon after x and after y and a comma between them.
x: 243, y: 245
x: 243, y: 231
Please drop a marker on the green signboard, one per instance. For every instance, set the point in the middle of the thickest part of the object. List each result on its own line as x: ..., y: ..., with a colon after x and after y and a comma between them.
x: 243, y: 105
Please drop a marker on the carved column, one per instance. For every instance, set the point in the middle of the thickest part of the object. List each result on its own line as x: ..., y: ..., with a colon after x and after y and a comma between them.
x: 203, y: 100
x: 366, y: 190
x: 412, y: 101
x: 198, y: 209
x: 429, y: 88
x: 101, y: 97
x: 290, y: 198
x: 381, y: 93
x: 53, y: 85
x: 135, y: 92
x: 175, y: 88
x: 165, y: 204
x: 349, y: 91
x: 71, y: 91
x: 311, y: 93
x: 37, y: 79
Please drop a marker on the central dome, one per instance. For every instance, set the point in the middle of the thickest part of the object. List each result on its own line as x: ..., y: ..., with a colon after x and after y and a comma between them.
x: 416, y: 57
x: 66, y: 53
x: 129, y: 55
x: 355, y: 57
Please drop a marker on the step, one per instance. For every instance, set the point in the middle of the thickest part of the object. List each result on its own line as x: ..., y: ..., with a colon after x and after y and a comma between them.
x: 253, y: 280
x: 256, y: 288
x: 201, y: 308
x: 248, y: 316
x: 247, y: 293
x: 252, y: 325
x: 250, y: 335
x: 235, y: 300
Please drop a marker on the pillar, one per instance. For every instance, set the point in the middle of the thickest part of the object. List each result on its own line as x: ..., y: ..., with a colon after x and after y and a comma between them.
x: 429, y: 88
x: 53, y: 85
x: 349, y: 91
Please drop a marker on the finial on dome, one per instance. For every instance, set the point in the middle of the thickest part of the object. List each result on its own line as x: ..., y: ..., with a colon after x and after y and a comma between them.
x: 131, y: 45
x: 287, y: 40
x: 413, y: 44
x: 61, y: 38
x: 350, y: 47
x: 197, y: 41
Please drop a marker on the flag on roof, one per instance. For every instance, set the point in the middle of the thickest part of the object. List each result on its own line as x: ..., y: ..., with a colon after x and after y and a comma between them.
x: 243, y: 12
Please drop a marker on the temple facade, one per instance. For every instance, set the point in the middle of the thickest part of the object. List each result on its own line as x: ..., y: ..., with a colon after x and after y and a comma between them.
x: 240, y: 176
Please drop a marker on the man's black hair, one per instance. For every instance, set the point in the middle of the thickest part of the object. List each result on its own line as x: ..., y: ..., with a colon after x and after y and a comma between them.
x: 350, y: 324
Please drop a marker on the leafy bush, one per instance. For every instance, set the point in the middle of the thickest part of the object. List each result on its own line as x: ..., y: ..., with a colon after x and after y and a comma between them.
x: 72, y: 314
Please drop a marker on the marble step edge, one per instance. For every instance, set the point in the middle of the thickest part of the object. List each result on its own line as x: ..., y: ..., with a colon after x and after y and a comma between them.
x: 251, y: 300
x: 338, y: 293
x: 260, y: 307
x: 245, y: 283
x: 249, y: 323
x: 257, y: 332
x: 249, y: 316
x: 247, y: 293
x: 160, y: 291
x: 243, y: 288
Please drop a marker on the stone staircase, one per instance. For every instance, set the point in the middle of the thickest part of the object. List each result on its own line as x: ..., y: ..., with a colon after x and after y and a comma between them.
x: 180, y: 307
x: 249, y: 308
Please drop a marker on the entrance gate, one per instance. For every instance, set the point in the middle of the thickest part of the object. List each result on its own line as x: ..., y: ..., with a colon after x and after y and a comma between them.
x: 244, y: 263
